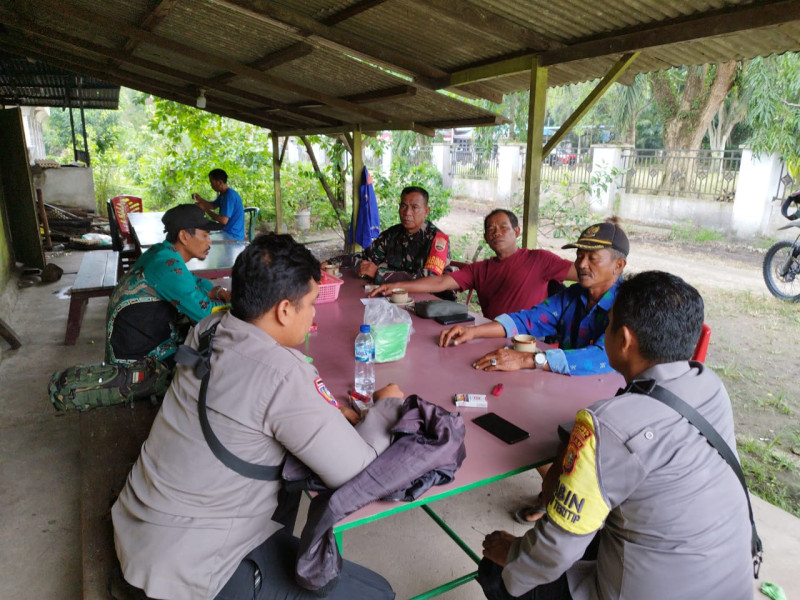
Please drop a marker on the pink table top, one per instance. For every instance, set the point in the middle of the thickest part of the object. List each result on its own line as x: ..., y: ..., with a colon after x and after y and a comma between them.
x: 536, y: 401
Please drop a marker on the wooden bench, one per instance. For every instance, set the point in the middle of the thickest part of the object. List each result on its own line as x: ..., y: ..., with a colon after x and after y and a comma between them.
x: 97, y: 276
x: 111, y: 438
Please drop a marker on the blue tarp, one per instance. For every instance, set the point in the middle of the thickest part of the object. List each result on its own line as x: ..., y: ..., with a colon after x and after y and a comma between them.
x: 368, y: 220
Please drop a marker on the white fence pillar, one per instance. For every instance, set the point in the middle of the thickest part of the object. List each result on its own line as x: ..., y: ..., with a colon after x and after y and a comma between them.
x: 441, y: 158
x: 604, y: 158
x: 509, y: 163
x: 757, y: 184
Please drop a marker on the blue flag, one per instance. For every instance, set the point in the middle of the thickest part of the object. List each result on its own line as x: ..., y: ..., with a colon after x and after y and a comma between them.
x: 368, y: 220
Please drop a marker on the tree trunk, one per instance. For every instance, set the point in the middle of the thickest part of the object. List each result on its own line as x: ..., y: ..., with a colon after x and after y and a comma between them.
x: 337, y: 203
x: 687, y: 114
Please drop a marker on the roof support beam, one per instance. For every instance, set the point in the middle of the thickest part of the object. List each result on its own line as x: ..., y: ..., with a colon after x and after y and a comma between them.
x: 46, y: 34
x: 105, y: 72
x: 340, y: 41
x: 270, y: 61
x: 467, y: 14
x: 614, y: 73
x: 351, y: 11
x: 725, y: 21
x: 277, y: 159
x: 366, y: 128
x: 400, y: 91
x: 358, y: 164
x: 94, y: 20
x: 533, y: 155
x: 721, y: 22
x: 150, y: 22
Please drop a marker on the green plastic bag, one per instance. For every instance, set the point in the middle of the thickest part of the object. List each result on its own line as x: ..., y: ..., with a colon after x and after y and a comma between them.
x: 390, y: 341
x: 390, y: 326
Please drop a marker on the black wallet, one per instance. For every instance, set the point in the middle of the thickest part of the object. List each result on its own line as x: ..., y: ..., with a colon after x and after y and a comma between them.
x: 428, y: 309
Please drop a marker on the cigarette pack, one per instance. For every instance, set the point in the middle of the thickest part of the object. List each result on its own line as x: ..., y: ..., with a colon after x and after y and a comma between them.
x: 471, y: 400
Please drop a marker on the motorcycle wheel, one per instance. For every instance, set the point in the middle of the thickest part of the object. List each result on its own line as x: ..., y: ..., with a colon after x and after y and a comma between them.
x: 782, y: 271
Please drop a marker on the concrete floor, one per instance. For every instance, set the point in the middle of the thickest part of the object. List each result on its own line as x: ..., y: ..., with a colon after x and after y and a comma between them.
x: 39, y: 479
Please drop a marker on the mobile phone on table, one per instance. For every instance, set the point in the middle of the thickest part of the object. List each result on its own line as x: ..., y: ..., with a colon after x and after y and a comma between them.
x: 453, y: 319
x: 500, y: 428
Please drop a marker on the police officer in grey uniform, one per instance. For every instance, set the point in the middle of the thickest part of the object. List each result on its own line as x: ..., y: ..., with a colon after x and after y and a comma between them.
x: 638, y: 493
x: 187, y: 526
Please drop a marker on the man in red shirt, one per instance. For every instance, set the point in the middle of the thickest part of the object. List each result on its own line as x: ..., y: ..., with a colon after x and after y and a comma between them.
x: 513, y: 280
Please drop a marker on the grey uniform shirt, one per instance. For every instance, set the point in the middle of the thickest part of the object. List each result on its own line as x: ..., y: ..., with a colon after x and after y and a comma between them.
x: 184, y: 521
x: 672, y: 515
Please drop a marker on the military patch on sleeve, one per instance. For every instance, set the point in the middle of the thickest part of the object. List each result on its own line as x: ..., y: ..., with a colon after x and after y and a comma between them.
x: 437, y: 258
x: 323, y: 391
x: 578, y: 505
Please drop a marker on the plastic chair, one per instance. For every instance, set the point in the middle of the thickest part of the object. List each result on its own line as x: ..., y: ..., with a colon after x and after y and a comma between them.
x: 122, y: 206
x: 251, y: 225
x: 123, y: 243
x: 702, y: 344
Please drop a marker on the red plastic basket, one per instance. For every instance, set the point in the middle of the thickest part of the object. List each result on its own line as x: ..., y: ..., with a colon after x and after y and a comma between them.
x: 328, y: 288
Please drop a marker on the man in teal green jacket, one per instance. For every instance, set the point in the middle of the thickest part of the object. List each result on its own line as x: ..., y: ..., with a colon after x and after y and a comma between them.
x: 154, y: 303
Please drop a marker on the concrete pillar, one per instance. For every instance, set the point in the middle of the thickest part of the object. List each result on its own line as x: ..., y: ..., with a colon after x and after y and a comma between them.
x: 755, y: 188
x: 509, y: 159
x: 605, y: 157
x: 441, y: 158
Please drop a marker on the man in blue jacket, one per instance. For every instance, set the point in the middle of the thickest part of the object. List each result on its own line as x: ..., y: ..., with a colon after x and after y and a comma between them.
x: 576, y: 317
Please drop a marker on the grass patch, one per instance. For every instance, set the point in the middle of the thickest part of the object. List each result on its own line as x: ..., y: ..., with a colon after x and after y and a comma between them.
x: 762, y: 464
x: 778, y: 403
x: 689, y: 233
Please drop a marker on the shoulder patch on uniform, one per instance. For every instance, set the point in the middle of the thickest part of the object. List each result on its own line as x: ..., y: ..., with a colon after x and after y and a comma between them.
x: 323, y: 391
x: 578, y: 505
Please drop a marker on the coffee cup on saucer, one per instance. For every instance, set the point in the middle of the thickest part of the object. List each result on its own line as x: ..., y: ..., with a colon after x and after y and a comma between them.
x: 332, y: 270
x: 524, y: 343
x: 399, y: 296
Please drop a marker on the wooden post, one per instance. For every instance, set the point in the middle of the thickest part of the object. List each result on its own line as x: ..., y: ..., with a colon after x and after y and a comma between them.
x: 533, y: 157
x: 276, y: 177
x: 358, y: 165
x: 43, y: 216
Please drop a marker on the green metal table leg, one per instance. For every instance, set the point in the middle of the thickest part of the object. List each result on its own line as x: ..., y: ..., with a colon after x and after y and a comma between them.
x: 461, y: 543
x: 446, y: 587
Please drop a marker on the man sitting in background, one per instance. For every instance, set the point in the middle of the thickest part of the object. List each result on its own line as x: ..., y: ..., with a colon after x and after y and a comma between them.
x: 228, y: 202
x: 515, y: 279
x: 412, y: 249
x: 154, y: 303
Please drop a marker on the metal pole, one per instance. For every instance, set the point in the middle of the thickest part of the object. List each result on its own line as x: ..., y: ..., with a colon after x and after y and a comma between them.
x: 276, y: 177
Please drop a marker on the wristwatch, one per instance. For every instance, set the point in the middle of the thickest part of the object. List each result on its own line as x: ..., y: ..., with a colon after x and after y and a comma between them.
x: 540, y: 359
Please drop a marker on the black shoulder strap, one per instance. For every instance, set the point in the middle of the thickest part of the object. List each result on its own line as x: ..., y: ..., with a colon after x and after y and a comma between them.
x: 652, y: 389
x: 200, y: 360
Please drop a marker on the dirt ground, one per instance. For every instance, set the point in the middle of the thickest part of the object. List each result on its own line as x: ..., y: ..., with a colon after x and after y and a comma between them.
x: 751, y: 345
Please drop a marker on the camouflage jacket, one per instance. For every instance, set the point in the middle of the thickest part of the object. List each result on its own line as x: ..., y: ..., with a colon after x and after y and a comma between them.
x: 401, y: 256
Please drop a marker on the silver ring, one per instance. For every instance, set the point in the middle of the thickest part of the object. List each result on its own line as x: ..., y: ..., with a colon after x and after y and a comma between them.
x: 493, y: 362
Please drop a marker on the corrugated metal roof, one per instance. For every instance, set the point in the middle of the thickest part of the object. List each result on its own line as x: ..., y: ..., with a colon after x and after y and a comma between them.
x: 25, y: 82
x: 328, y: 65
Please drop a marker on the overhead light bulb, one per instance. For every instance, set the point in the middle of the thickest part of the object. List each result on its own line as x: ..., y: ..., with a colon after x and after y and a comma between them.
x: 201, y: 99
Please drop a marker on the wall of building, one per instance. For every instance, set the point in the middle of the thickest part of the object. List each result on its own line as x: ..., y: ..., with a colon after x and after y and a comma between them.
x: 67, y: 186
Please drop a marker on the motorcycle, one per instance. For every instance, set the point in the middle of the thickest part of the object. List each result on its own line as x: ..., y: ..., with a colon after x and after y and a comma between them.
x: 782, y: 262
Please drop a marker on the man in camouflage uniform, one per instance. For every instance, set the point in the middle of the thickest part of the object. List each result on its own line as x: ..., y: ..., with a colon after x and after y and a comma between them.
x: 412, y: 249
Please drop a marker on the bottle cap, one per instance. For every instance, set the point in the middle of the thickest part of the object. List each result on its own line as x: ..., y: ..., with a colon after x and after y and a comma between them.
x: 365, y: 329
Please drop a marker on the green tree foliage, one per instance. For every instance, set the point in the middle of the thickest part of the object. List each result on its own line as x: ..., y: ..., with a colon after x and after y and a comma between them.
x: 403, y: 173
x: 773, y: 114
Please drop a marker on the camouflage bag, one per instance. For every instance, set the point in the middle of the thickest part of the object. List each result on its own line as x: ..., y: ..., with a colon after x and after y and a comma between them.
x: 84, y: 387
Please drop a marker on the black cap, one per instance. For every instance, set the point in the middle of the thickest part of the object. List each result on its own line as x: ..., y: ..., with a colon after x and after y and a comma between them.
x: 602, y: 235
x: 188, y: 216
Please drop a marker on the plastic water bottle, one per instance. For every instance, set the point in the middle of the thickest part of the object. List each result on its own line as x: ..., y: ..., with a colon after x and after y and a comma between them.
x: 365, y: 364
